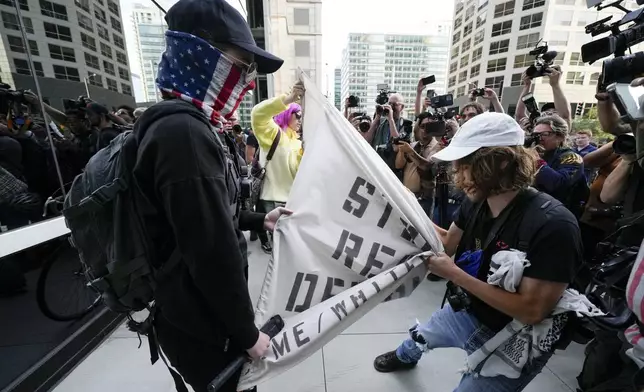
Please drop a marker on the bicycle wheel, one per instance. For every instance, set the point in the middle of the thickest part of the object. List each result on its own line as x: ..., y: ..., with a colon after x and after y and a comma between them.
x: 62, y: 291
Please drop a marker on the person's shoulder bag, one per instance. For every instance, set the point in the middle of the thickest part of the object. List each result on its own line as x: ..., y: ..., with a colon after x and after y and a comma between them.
x: 258, y: 173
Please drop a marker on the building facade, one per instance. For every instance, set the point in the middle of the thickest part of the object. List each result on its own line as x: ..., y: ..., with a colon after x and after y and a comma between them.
x: 399, y: 61
x: 149, y: 31
x: 337, y: 88
x: 78, y: 47
x: 491, y: 41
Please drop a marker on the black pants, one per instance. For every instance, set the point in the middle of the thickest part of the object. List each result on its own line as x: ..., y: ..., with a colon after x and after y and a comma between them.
x: 263, y: 236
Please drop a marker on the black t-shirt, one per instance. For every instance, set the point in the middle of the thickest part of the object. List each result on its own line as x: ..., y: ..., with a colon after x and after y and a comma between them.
x: 554, y: 250
x: 252, y: 141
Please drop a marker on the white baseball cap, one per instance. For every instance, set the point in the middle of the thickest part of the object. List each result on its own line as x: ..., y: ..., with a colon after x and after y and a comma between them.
x: 485, y: 130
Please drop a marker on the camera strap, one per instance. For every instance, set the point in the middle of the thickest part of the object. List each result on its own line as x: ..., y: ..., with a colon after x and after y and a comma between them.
x: 518, y: 204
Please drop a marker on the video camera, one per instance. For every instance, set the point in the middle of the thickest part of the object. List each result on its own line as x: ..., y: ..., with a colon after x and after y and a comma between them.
x: 354, y: 101
x: 78, y: 106
x: 11, y: 107
x: 438, y: 103
x: 542, y: 61
x: 622, y: 68
x: 382, y: 98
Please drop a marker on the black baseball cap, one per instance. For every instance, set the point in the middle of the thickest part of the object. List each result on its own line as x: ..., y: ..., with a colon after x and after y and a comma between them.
x: 223, y: 24
x: 97, y: 108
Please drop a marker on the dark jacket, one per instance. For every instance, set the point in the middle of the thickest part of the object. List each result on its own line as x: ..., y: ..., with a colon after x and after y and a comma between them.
x: 189, y: 193
x: 563, y: 178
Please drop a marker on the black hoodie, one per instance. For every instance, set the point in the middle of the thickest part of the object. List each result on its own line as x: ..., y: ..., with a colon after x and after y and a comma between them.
x: 189, y: 198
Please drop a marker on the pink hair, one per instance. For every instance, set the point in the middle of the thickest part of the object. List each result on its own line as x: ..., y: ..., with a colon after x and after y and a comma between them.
x: 284, y: 118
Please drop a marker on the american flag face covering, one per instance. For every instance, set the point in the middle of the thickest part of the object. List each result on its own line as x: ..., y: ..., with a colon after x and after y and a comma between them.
x: 193, y: 70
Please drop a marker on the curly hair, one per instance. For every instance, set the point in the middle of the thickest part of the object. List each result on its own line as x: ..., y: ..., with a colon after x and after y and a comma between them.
x: 496, y: 170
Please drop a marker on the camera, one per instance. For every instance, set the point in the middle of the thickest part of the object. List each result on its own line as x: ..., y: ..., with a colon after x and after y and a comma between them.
x: 78, y: 105
x: 404, y: 135
x: 11, y: 107
x: 364, y: 122
x: 628, y: 100
x: 457, y: 298
x: 542, y: 61
x: 532, y: 140
x: 531, y: 106
x: 354, y: 101
x: 624, y: 145
x: 478, y: 92
x: 383, y: 94
x: 441, y: 101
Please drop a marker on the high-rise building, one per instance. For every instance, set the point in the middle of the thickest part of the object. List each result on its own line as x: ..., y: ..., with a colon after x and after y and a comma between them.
x: 399, y: 61
x: 337, y: 96
x: 149, y: 28
x: 491, y: 42
x: 77, y: 46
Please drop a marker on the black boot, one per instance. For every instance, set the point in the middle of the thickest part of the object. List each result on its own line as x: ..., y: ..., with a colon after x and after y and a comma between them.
x: 389, y: 362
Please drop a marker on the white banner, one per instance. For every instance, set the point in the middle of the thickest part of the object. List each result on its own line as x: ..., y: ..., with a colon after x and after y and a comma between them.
x: 357, y: 237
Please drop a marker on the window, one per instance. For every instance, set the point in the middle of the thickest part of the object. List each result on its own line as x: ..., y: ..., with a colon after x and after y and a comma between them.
x: 563, y: 18
x: 22, y: 67
x: 468, y: 29
x: 62, y: 53
x: 100, y: 15
x: 496, y: 65
x: 88, y: 42
x: 460, y: 91
x: 480, y: 20
x: 516, y: 79
x: 82, y: 4
x: 503, y: 9
x: 478, y: 37
x: 22, y: 3
x: 85, y: 22
x: 559, y: 38
x: 116, y: 25
x: 113, y: 7
x: 92, y: 61
x: 475, y: 71
x: 576, y: 78
x: 109, y: 67
x: 457, y: 23
x: 523, y: 60
x: 477, y: 54
x: 124, y: 74
x: 494, y: 82
x: 95, y: 80
x: 118, y: 41
x: 126, y: 89
x: 594, y: 78
x: 529, y: 4
x: 466, y: 45
x: 530, y: 21
x: 456, y: 37
x: 501, y: 28
x: 106, y: 50
x: 462, y: 76
x: 451, y: 82
x: 53, y: 10
x: 301, y: 16
x: 302, y: 48
x: 58, y: 32
x: 454, y: 52
x: 66, y: 73
x: 453, y: 67
x: 10, y: 22
x: 499, y: 46
x: 465, y: 60
x: 103, y: 32
x: 559, y: 60
x: 586, y: 18
x: 121, y: 58
x: 575, y: 59
x: 469, y: 12
x: 527, y: 41
x: 16, y: 44
x: 111, y: 84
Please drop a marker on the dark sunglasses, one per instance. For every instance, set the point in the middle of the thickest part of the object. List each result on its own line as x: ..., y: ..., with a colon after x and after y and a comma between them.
x: 298, y: 115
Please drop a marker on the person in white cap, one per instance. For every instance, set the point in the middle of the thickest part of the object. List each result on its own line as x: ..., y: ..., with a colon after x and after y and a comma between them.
x: 501, y: 212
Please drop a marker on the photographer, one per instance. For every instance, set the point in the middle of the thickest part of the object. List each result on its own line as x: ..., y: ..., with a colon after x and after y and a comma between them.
x: 501, y: 212
x: 361, y: 122
x: 560, y: 171
x: 101, y: 121
x: 386, y: 126
x: 561, y: 107
x: 414, y: 160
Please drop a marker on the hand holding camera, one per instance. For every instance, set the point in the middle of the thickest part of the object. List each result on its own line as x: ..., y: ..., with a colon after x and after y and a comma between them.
x: 297, y: 92
x: 554, y: 73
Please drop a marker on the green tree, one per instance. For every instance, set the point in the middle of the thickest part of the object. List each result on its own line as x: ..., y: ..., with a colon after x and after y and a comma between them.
x: 590, y: 122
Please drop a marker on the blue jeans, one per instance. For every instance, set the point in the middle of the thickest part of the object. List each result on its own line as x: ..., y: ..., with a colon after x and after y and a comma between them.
x: 449, y: 329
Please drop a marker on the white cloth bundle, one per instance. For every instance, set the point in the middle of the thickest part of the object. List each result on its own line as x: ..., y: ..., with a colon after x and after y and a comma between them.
x: 515, y: 345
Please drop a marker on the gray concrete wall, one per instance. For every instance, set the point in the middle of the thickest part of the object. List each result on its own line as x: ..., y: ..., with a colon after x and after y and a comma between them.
x: 509, y: 98
x: 55, y: 90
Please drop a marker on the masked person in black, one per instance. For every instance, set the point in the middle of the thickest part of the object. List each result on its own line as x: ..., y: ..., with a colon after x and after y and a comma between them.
x: 104, y: 128
x: 188, y: 185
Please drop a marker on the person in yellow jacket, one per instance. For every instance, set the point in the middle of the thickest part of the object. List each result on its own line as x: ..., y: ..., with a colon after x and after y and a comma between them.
x: 268, y: 118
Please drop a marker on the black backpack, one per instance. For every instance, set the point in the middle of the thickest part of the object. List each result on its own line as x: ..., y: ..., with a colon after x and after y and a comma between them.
x: 106, y: 229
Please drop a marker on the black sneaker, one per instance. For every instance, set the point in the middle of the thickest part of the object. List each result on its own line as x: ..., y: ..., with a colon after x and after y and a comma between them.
x: 267, y: 248
x: 389, y: 362
x: 253, y: 236
x: 434, y: 278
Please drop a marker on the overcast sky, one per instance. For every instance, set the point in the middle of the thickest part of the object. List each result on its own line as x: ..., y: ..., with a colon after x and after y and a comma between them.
x: 341, y: 17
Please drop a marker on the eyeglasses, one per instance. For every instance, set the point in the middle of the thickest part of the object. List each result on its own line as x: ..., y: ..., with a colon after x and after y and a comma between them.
x: 244, y: 66
x: 545, y: 134
x: 298, y: 115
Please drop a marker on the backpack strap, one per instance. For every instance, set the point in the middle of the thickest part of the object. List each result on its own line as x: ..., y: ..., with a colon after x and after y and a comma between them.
x: 276, y: 142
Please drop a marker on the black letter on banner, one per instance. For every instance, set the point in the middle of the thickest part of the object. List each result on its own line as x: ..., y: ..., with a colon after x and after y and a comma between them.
x: 362, y: 201
x: 330, y: 283
x: 313, y: 281
x: 354, y: 298
x: 372, y: 261
x: 351, y: 253
x: 375, y: 286
x: 409, y: 233
x: 281, y: 347
x: 339, y: 307
x: 297, y: 332
x: 385, y: 216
